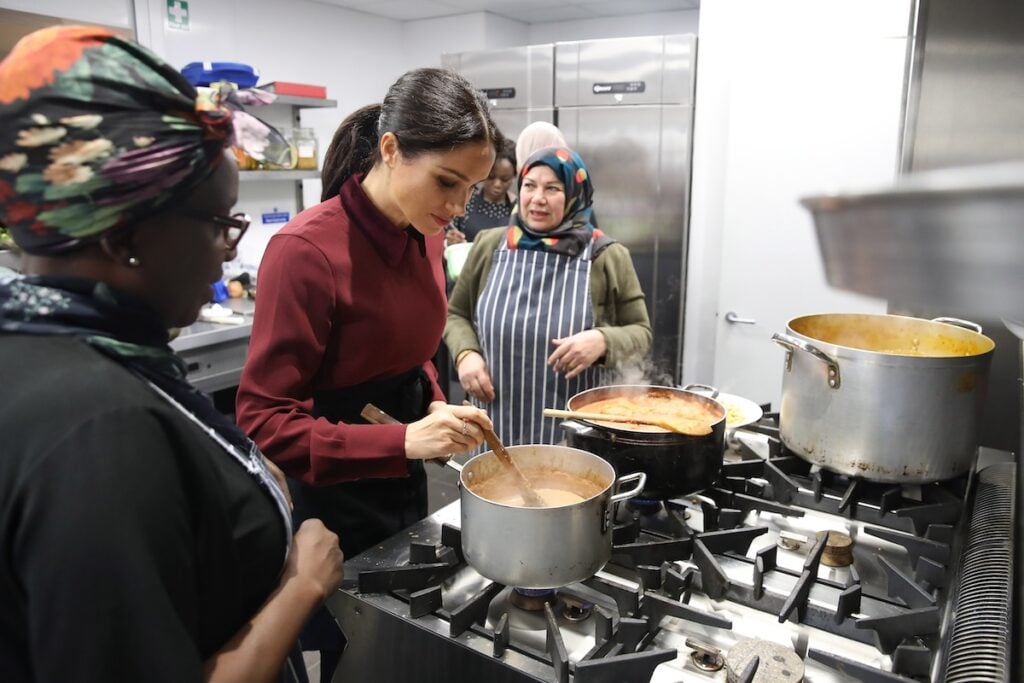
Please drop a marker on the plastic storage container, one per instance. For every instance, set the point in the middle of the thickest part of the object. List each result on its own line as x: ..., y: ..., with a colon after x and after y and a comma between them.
x: 205, y: 73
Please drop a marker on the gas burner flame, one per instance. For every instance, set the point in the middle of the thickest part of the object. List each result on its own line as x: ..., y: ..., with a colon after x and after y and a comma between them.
x: 645, y: 506
x: 532, y: 599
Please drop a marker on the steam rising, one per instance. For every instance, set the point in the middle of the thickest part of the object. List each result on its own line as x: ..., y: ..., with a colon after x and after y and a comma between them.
x: 642, y: 371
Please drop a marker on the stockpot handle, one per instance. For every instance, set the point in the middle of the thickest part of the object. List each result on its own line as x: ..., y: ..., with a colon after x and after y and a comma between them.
x: 792, y: 344
x: 576, y: 427
x: 702, y: 389
x: 959, y: 322
x: 640, y: 477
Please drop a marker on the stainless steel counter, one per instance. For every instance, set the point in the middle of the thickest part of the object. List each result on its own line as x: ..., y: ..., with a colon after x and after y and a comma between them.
x: 214, y: 352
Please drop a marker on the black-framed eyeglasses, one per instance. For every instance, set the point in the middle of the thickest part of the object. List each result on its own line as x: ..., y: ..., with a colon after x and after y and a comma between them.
x: 232, y: 227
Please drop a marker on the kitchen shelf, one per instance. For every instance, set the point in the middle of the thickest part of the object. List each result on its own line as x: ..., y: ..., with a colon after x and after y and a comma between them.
x: 304, y: 102
x: 301, y: 174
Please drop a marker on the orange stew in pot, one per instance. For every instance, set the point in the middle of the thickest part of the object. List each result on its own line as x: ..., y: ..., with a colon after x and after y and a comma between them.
x: 690, y: 417
x: 555, y: 488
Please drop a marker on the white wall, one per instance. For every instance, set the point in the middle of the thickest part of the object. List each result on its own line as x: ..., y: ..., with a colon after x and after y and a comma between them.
x: 652, y: 24
x: 793, y: 99
x: 355, y: 55
x: 424, y: 40
x: 107, y: 12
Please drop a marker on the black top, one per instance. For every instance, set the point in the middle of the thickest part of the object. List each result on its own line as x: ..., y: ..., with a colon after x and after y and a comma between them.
x: 482, y: 214
x: 133, y: 545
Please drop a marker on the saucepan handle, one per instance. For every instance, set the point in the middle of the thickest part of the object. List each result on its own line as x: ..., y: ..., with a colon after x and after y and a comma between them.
x: 792, y: 344
x: 639, y: 477
x: 576, y: 427
x: 702, y: 389
x: 959, y: 322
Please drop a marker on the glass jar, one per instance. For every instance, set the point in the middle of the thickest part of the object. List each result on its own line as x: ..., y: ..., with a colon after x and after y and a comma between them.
x: 305, y: 142
x: 289, y: 164
x: 245, y: 162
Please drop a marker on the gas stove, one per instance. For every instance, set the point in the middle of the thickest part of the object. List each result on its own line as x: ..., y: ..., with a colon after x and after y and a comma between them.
x: 779, y: 572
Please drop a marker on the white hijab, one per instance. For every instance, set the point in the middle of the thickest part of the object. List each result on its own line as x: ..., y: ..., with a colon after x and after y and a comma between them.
x: 537, y: 135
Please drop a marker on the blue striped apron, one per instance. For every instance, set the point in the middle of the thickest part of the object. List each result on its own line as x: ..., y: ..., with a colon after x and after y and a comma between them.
x: 530, y: 298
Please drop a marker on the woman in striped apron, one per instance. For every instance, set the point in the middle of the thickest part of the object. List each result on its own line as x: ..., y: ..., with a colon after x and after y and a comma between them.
x: 544, y: 306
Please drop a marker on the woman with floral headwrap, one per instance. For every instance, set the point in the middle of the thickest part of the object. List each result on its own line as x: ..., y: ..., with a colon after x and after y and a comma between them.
x: 145, y: 538
x: 542, y: 305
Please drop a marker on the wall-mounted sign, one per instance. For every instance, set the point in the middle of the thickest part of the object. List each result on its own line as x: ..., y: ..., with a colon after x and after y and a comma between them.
x: 499, y: 93
x: 275, y: 216
x: 619, y: 87
x: 177, y: 15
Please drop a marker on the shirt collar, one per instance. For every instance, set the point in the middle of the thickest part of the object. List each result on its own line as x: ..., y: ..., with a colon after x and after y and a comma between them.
x: 389, y: 242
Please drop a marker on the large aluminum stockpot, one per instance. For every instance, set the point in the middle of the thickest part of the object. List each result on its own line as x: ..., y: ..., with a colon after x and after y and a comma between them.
x: 541, y: 547
x: 883, y: 397
x: 675, y: 464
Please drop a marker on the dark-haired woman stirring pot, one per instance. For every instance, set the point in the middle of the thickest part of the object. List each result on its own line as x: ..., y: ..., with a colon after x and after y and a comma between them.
x: 352, y: 307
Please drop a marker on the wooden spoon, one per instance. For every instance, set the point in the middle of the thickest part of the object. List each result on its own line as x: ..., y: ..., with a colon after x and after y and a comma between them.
x: 690, y: 427
x: 530, y: 497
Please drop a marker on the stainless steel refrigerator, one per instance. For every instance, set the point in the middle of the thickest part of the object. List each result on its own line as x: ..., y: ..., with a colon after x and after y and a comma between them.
x: 626, y: 105
x: 519, y: 83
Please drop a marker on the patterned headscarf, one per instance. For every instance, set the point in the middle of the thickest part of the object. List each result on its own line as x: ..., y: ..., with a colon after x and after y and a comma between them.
x: 575, y: 230
x: 96, y: 133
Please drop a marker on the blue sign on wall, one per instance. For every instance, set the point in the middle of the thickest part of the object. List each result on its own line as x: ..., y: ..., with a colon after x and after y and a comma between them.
x: 275, y: 217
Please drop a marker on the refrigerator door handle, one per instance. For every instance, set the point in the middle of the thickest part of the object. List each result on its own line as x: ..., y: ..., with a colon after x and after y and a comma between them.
x: 731, y: 317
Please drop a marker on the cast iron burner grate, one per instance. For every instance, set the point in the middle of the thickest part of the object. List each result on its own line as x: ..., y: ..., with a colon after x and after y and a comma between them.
x: 786, y: 479
x: 621, y: 644
x: 681, y: 548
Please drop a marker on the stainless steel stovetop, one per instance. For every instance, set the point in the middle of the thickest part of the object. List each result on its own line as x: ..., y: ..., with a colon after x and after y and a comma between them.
x: 696, y: 587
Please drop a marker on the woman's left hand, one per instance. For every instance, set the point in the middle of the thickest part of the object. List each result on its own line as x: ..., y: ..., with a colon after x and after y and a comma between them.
x: 573, y: 355
x: 278, y: 476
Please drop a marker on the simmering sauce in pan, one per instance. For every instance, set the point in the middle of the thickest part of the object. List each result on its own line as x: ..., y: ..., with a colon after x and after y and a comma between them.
x: 695, y: 417
x: 554, y: 487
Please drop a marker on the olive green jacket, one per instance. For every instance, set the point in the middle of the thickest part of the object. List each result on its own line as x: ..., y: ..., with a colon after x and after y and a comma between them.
x: 617, y: 300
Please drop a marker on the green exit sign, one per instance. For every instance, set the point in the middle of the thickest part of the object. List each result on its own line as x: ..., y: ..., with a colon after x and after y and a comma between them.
x: 177, y: 15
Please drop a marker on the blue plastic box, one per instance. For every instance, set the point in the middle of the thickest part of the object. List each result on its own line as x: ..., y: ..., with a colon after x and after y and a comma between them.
x: 205, y: 73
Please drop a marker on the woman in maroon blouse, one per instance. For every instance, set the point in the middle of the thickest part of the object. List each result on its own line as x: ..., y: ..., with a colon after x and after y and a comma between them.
x: 352, y: 306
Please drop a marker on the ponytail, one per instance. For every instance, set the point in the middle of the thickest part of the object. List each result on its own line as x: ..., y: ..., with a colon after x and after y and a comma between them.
x: 428, y: 110
x: 353, y: 150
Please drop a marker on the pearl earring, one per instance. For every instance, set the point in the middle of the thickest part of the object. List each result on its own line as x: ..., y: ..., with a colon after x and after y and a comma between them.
x: 133, y: 262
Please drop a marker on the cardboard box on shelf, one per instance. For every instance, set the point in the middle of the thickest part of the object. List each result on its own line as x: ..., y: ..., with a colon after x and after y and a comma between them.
x: 295, y: 89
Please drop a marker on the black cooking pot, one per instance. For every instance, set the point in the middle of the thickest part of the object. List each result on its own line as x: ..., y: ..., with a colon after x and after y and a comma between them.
x: 675, y: 464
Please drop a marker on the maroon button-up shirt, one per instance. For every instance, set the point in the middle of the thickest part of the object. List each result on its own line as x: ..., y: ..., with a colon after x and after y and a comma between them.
x: 345, y: 297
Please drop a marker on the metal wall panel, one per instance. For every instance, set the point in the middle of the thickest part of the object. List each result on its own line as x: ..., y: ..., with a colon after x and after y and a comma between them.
x: 513, y: 78
x: 967, y: 107
x: 512, y: 121
x: 648, y: 70
x: 639, y: 159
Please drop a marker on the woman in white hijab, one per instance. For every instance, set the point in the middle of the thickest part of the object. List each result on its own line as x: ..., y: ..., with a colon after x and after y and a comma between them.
x: 537, y: 135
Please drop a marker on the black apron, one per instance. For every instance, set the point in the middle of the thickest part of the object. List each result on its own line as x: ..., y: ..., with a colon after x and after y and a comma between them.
x: 365, y: 512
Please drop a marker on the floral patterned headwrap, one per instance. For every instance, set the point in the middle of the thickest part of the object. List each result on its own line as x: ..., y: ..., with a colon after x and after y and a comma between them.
x: 575, y: 230
x: 96, y: 133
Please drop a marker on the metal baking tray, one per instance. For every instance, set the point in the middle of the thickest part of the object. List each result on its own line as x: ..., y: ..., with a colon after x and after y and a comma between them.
x: 952, y: 238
